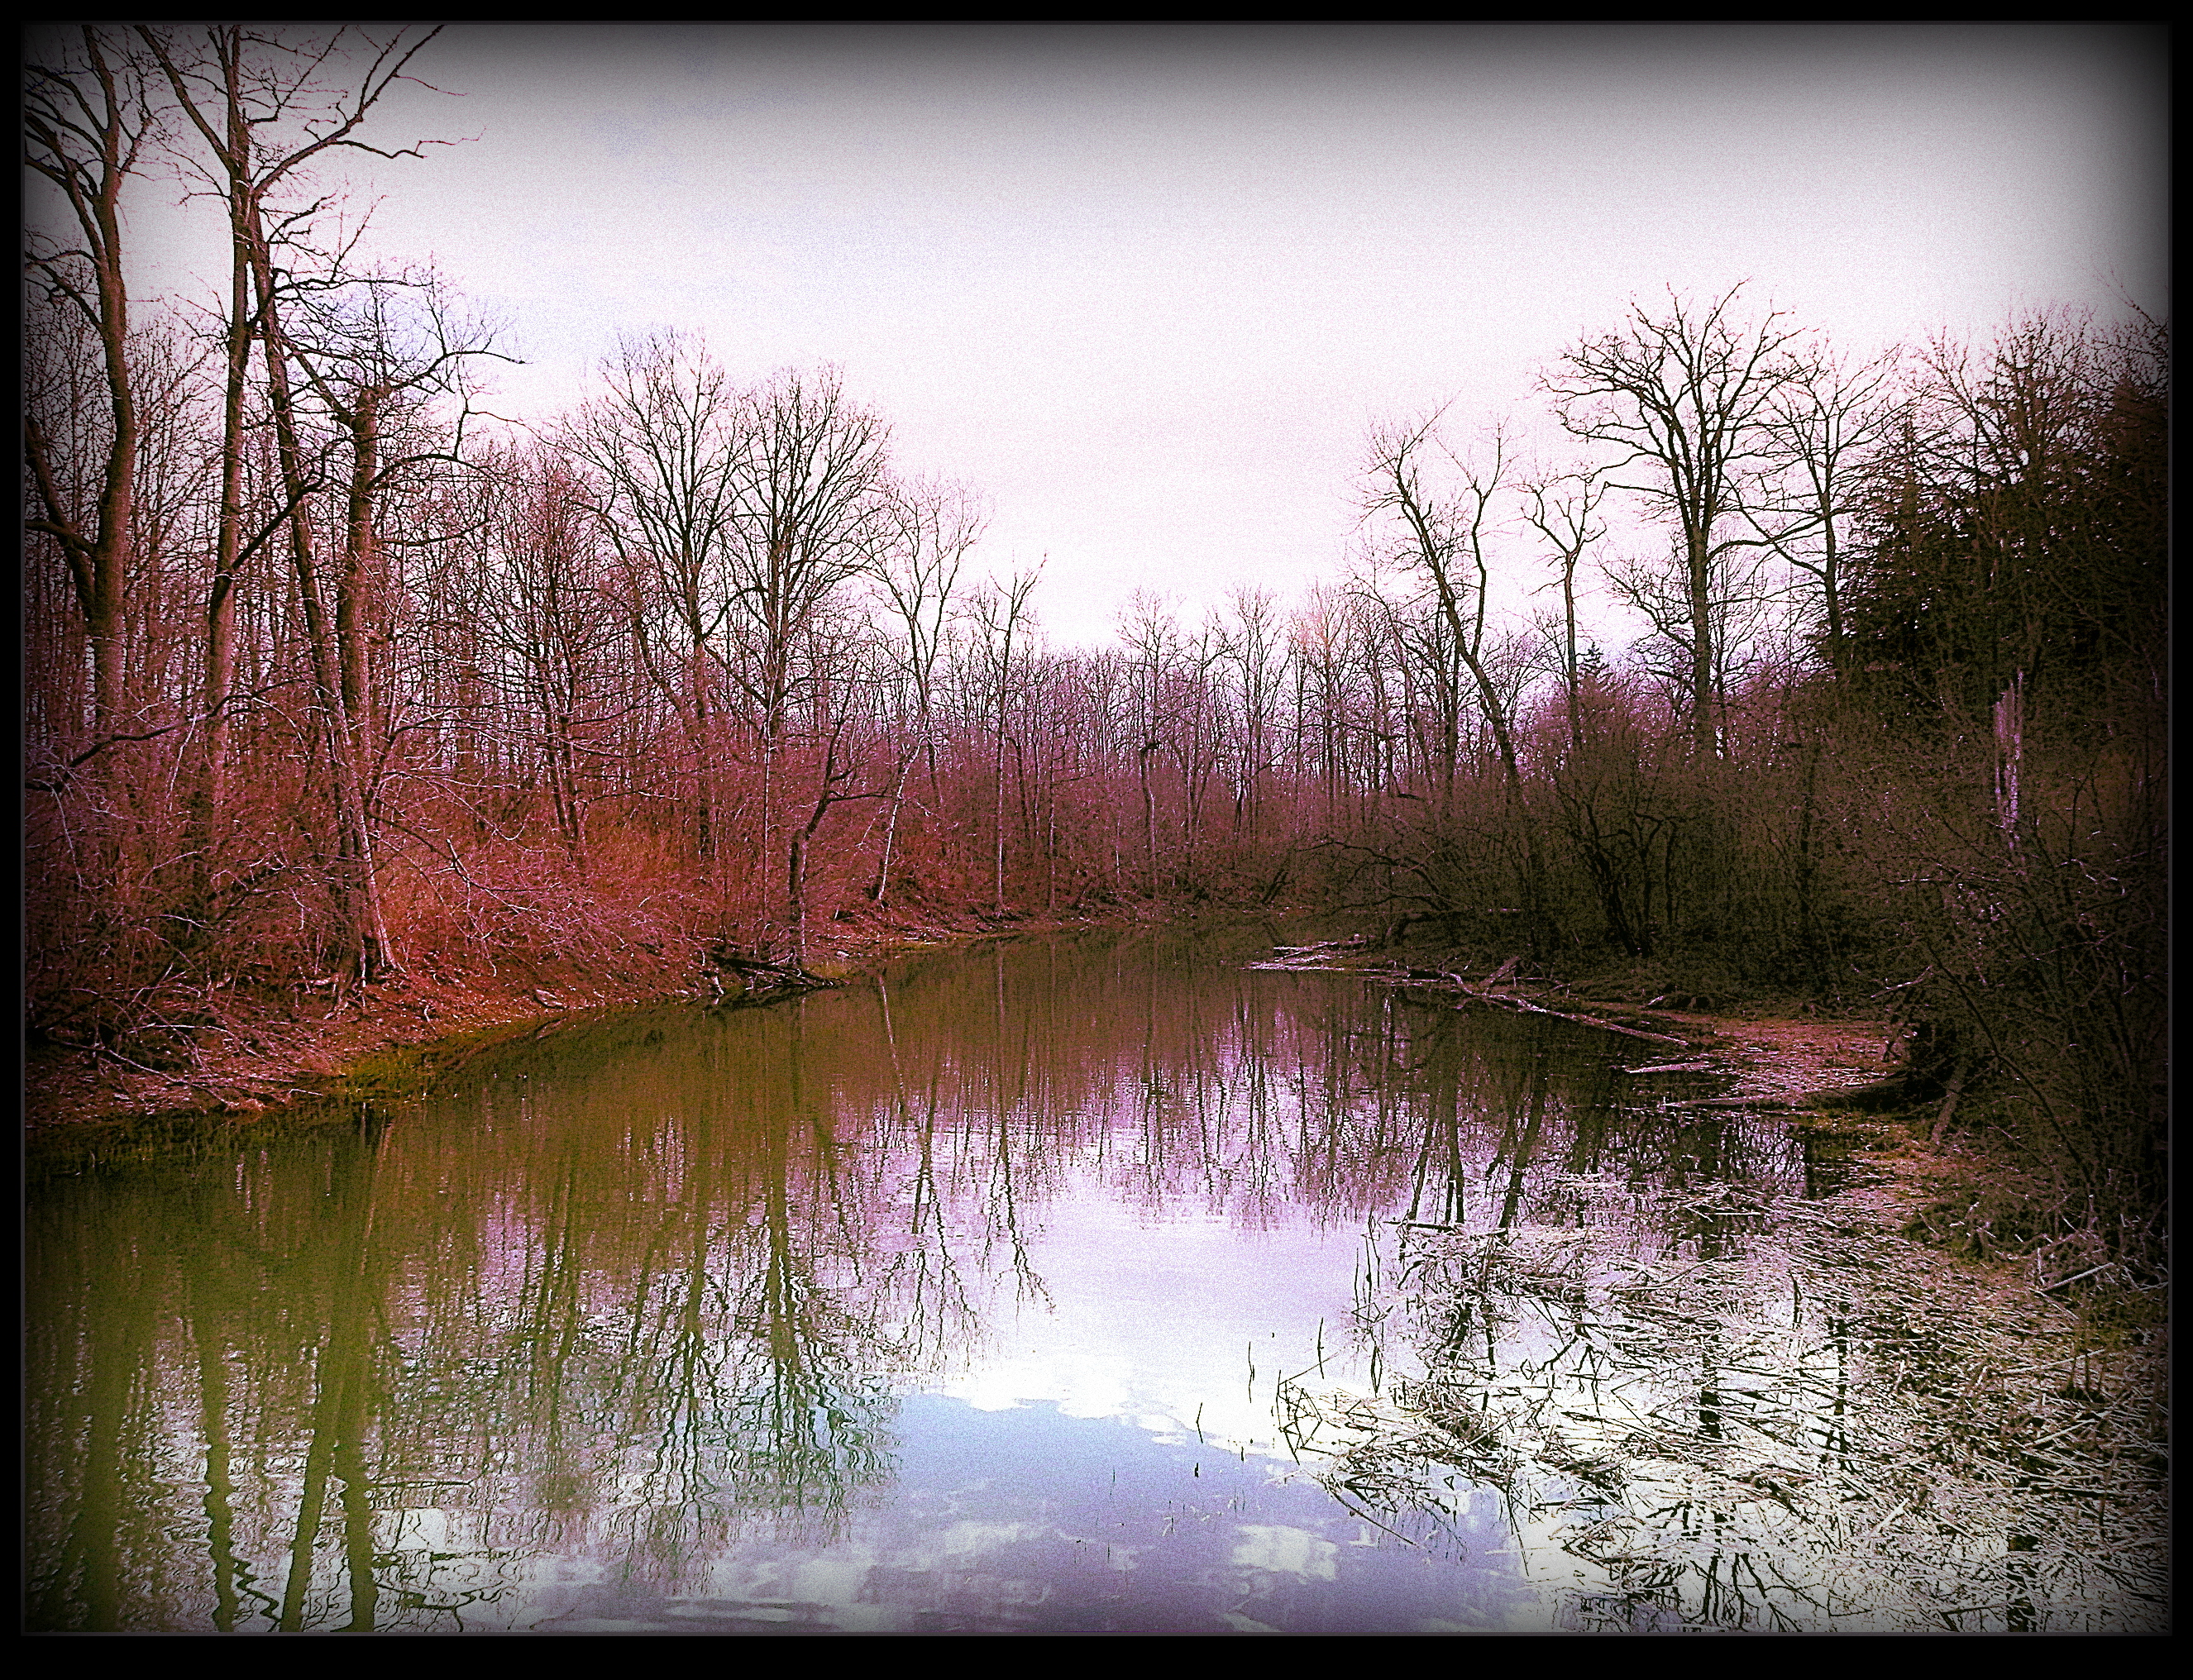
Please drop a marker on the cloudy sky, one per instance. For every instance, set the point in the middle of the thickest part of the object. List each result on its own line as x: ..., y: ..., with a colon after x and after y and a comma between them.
x: 1146, y: 289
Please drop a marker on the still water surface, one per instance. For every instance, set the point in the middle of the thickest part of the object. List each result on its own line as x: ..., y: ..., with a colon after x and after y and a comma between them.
x: 958, y: 1300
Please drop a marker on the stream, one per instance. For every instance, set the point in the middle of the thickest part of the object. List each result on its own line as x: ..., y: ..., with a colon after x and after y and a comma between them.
x: 1091, y: 1283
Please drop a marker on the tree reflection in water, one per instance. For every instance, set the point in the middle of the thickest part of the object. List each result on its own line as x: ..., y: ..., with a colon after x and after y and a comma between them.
x: 1702, y: 1407
x: 622, y: 1300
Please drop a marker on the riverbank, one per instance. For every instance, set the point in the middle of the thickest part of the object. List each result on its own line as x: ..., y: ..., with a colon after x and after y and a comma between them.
x: 264, y: 1051
x: 1772, y: 1060
x: 1842, y: 1077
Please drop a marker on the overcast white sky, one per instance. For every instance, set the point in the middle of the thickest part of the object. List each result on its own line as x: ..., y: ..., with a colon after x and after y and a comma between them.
x: 1147, y: 288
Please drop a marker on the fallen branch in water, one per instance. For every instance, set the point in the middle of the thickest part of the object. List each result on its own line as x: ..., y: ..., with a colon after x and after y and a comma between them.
x: 1299, y: 958
x: 764, y: 982
x: 1509, y: 1001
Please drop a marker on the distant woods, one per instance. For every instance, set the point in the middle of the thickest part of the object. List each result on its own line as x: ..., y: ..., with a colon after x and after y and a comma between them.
x: 329, y: 678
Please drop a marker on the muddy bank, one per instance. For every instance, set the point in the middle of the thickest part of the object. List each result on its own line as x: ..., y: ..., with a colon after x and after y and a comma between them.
x: 1827, y: 1074
x: 1843, y: 1080
x: 266, y: 1050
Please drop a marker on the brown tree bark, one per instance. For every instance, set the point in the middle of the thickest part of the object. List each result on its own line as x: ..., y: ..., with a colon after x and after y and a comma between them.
x: 85, y: 120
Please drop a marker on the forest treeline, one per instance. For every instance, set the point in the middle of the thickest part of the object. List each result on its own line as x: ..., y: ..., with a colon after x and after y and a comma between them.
x: 329, y: 678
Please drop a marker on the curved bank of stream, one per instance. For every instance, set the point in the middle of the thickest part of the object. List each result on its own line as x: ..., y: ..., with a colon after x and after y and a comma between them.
x: 1089, y: 1284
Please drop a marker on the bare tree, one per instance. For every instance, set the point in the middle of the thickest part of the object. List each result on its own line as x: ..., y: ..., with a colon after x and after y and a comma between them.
x: 1685, y: 399
x: 839, y: 665
x: 265, y: 108
x: 87, y: 116
x: 545, y: 598
x: 1001, y: 618
x: 927, y: 530
x: 1255, y: 650
x: 1827, y: 423
x: 1563, y: 508
x: 376, y: 354
x: 663, y: 444
x: 1443, y: 540
x: 806, y: 495
x: 1152, y: 650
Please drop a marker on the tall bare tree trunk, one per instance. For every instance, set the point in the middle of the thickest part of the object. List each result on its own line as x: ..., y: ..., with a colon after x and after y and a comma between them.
x: 210, y: 795
x: 79, y: 137
x: 366, y: 930
x: 353, y: 581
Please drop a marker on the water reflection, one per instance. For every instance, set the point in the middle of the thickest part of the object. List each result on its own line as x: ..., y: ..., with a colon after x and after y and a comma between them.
x: 1702, y: 1407
x: 958, y: 1301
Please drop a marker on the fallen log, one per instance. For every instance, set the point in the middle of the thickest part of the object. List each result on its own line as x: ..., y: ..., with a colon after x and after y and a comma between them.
x: 1524, y: 1004
x: 1297, y: 958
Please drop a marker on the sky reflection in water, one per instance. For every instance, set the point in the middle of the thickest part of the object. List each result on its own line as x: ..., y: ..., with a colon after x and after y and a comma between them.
x: 953, y: 1302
